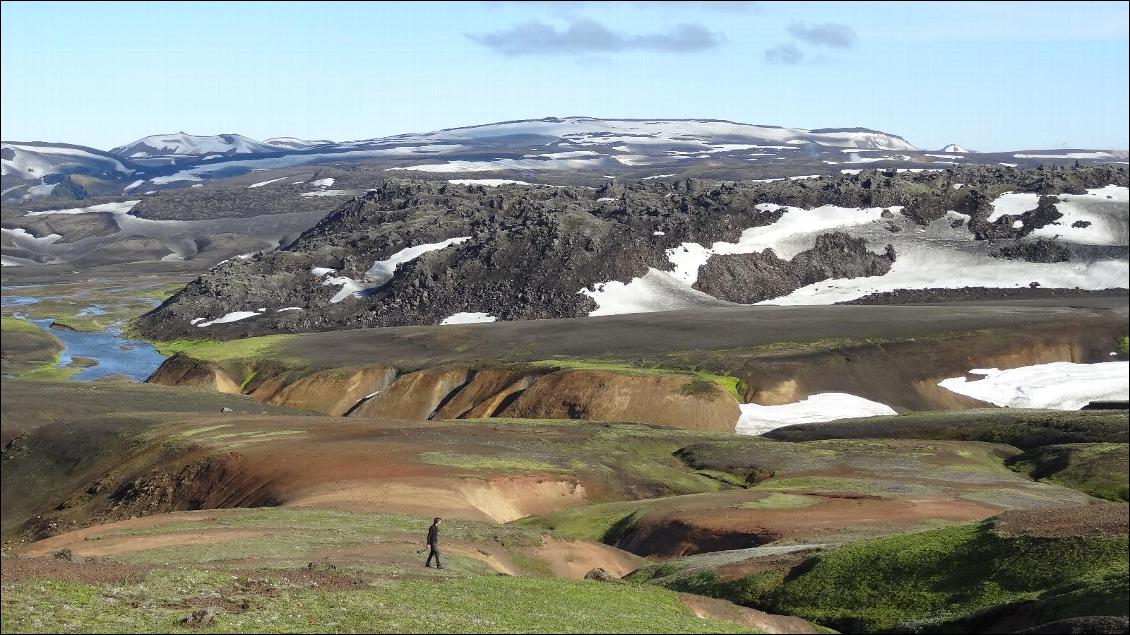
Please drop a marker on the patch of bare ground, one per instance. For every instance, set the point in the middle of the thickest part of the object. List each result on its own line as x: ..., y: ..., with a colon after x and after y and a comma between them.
x: 16, y: 568
x: 1096, y: 519
x: 710, y: 608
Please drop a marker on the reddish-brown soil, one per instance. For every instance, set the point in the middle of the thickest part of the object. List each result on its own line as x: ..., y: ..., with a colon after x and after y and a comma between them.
x: 1097, y: 519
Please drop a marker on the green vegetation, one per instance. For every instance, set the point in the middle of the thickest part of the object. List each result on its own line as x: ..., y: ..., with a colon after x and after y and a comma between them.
x: 500, y: 604
x: 732, y: 385
x: 1124, y: 344
x: 777, y: 500
x: 31, y: 352
x: 251, y: 349
x: 1022, y: 428
x: 1098, y: 469
x: 593, y: 522
x: 917, y: 578
x: 481, y: 462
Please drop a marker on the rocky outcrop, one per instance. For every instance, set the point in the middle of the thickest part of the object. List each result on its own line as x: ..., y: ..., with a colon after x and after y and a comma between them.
x: 459, y: 392
x: 529, y: 250
x: 674, y: 400
x: 750, y: 278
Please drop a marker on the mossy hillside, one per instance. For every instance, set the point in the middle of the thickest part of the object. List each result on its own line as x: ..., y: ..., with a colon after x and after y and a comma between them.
x: 1022, y: 428
x: 28, y: 350
x: 461, y: 604
x: 1099, y: 469
x: 918, y: 578
x: 730, y: 384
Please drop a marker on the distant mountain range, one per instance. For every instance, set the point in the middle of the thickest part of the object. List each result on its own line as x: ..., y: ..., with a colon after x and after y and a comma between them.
x: 624, y: 148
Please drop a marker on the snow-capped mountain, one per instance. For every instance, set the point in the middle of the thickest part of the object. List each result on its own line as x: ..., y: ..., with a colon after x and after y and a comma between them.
x: 185, y: 145
x: 35, y: 160
x: 700, y: 133
x: 292, y: 143
x: 573, y: 149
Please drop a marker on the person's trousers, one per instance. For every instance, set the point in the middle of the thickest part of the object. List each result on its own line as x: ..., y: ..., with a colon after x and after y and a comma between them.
x: 433, y: 552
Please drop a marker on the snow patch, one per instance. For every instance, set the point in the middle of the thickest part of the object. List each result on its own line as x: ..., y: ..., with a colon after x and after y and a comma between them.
x: 383, y: 270
x: 262, y: 183
x: 829, y: 406
x: 1059, y: 385
x: 468, y: 318
x: 234, y: 316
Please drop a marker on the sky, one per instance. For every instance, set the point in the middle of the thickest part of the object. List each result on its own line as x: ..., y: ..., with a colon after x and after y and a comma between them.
x: 988, y: 76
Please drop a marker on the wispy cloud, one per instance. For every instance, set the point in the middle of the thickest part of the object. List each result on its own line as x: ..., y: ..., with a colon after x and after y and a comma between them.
x: 585, y: 36
x: 830, y: 34
x: 784, y: 55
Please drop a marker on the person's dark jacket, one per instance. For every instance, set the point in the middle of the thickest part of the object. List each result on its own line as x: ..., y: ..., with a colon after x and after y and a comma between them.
x: 433, y: 535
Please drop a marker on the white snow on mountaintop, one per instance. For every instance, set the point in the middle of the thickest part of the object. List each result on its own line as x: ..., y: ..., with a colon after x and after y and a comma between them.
x: 34, y: 161
x: 182, y: 144
x: 953, y: 148
x: 1067, y: 155
x: 507, y: 164
x: 292, y: 143
x: 322, y: 182
x: 486, y: 182
x: 830, y: 406
x: 1059, y: 385
x: 588, y: 130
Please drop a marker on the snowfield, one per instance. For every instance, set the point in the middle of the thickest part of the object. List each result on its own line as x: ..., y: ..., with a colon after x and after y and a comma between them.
x: 830, y: 406
x: 1059, y: 385
x: 468, y: 318
x: 940, y: 255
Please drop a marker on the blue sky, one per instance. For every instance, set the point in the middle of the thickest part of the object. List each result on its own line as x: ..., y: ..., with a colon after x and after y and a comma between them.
x: 990, y: 76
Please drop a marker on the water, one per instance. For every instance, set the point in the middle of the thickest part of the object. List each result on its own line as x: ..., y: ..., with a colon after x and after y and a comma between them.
x: 114, y: 354
x: 16, y: 300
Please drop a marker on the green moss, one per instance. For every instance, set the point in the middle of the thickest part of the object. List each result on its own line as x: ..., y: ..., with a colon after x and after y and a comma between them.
x: 266, y: 347
x: 920, y: 578
x: 481, y: 462
x: 1099, y: 469
x: 592, y: 522
x: 15, y: 325
x: 730, y: 384
x: 777, y: 500
x: 467, y: 604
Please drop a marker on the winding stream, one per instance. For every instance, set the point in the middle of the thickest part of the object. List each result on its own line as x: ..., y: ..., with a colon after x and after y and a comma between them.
x: 110, y: 352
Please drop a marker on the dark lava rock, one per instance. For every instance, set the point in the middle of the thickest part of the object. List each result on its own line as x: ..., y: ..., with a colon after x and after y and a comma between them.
x: 750, y: 278
x: 1034, y: 251
x: 530, y: 250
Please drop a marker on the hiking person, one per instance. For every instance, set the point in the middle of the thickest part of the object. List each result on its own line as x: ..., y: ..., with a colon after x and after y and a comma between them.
x: 433, y: 544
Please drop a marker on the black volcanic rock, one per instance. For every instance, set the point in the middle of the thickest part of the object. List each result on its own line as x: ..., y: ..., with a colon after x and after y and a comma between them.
x: 750, y: 278
x: 530, y: 250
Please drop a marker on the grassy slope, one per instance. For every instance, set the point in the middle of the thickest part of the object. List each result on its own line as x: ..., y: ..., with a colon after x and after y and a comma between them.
x: 28, y: 350
x: 1098, y: 469
x: 473, y: 604
x: 1022, y: 428
x: 925, y: 577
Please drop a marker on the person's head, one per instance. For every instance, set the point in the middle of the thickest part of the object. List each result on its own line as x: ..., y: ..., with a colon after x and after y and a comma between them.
x: 437, y: 520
